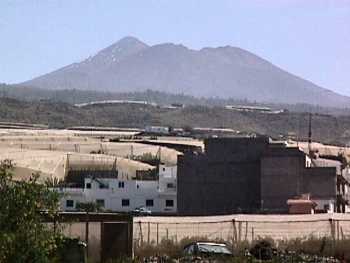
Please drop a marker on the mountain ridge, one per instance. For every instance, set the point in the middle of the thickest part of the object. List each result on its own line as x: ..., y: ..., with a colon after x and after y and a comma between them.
x: 130, y: 65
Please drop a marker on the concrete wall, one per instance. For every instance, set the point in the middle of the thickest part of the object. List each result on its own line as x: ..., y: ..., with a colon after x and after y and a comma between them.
x: 284, y: 175
x: 103, y: 232
x: 235, y: 149
x: 281, y: 178
x: 321, y: 182
x: 236, y: 228
x: 224, y: 180
x: 246, y: 175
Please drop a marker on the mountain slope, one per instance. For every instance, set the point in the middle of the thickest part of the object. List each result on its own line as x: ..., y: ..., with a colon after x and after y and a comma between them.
x: 325, y: 128
x: 130, y: 65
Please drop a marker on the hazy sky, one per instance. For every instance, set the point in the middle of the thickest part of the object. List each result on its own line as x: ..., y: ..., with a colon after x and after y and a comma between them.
x: 310, y: 38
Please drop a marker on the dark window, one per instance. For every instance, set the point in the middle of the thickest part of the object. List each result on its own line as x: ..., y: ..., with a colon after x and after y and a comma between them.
x: 169, y: 203
x: 163, y: 169
x: 88, y: 186
x: 149, y: 202
x: 104, y: 186
x: 100, y: 202
x: 125, y: 202
x: 170, y: 185
x: 69, y: 203
x: 121, y: 184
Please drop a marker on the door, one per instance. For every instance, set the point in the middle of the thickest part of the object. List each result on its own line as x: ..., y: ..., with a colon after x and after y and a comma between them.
x: 116, y: 241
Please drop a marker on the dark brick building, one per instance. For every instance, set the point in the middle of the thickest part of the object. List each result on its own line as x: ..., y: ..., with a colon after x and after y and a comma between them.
x: 225, y: 179
x: 248, y: 175
x: 287, y: 173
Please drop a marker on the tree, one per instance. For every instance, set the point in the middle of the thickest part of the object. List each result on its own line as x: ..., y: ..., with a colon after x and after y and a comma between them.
x: 89, y: 207
x: 24, y: 237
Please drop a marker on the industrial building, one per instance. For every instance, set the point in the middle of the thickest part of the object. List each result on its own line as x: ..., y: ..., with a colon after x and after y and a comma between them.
x: 288, y: 172
x: 256, y: 175
x: 225, y: 179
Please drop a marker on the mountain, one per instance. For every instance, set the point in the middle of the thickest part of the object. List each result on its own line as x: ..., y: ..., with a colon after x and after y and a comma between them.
x: 225, y: 72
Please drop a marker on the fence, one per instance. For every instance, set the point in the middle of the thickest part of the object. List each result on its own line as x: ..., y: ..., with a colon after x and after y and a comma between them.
x: 237, y: 228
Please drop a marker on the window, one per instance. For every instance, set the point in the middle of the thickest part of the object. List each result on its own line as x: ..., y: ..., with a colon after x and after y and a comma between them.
x: 88, y: 186
x: 103, y: 186
x: 125, y: 202
x: 69, y: 203
x: 169, y: 203
x: 163, y: 169
x: 149, y: 202
x: 121, y: 184
x: 100, y: 202
x: 170, y: 185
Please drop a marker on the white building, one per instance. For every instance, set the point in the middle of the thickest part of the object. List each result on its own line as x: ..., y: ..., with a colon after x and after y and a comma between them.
x: 121, y: 195
x: 157, y: 129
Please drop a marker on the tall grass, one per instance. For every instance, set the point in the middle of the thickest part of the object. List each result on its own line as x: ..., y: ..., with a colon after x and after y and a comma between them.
x: 325, y: 247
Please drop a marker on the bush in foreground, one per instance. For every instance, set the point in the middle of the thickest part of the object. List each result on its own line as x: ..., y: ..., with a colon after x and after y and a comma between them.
x: 23, y: 235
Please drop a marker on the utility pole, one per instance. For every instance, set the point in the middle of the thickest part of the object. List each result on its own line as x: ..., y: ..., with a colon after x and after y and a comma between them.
x: 131, y: 152
x: 160, y: 154
x: 67, y: 165
x: 310, y: 135
x: 115, y: 164
x: 299, y: 128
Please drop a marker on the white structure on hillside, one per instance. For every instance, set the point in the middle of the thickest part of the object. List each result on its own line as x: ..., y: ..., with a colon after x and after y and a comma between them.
x: 123, y: 195
x: 157, y: 129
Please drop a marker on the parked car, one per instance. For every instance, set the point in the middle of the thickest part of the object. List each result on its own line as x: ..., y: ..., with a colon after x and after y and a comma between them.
x: 142, y: 211
x: 197, y: 251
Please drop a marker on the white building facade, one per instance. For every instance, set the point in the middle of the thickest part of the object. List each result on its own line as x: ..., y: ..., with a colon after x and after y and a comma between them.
x: 118, y: 195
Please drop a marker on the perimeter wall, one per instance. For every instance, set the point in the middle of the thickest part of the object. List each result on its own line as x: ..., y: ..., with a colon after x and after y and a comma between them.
x: 237, y: 228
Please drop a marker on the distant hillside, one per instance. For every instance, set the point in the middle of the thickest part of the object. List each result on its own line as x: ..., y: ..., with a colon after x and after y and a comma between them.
x: 73, y: 96
x: 326, y: 128
x: 224, y: 72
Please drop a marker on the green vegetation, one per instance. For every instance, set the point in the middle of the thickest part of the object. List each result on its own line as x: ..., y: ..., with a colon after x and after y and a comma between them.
x: 89, y: 207
x: 23, y: 235
x: 25, y: 207
x: 54, y: 182
x: 74, y: 96
x: 297, y: 250
x: 148, y: 158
